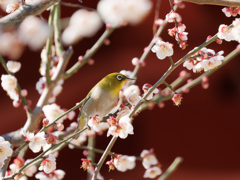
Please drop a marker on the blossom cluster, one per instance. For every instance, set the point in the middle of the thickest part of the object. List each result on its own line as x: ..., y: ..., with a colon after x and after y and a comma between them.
x: 205, y: 59
x: 5, y: 151
x: 179, y: 30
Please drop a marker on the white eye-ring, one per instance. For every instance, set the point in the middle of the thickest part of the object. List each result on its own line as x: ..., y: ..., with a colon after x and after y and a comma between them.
x: 119, y: 77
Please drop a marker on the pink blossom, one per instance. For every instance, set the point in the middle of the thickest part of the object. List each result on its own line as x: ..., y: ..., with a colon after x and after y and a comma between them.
x: 85, y: 164
x: 48, y: 165
x: 170, y: 17
x: 94, y: 123
x: 146, y: 87
x: 177, y: 98
x: 231, y: 11
x: 224, y: 32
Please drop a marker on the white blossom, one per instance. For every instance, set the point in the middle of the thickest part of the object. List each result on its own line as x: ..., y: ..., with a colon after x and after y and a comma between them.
x: 162, y: 49
x: 133, y: 98
x: 33, y: 28
x: 224, y: 32
x: 71, y: 115
x: 148, y: 159
x: 94, y: 123
x: 48, y: 165
x: 13, y: 66
x: 5, y: 150
x: 236, y: 30
x: 52, y: 112
x: 11, y: 8
x: 83, y: 23
x: 131, y: 89
x: 170, y: 17
x: 31, y: 170
x: 124, y: 163
x: 79, y: 141
x: 152, y: 172
x: 38, y: 142
x: 9, y: 82
x: 13, y: 94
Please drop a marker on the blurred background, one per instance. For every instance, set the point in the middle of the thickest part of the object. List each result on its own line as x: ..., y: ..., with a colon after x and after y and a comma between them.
x: 204, y: 129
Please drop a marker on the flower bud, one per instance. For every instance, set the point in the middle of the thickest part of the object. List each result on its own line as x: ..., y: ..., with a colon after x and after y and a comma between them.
x: 24, y: 92
x: 135, y: 61
x: 60, y: 126
x: 45, y: 122
x: 107, y: 42
x: 177, y: 98
x: 80, y: 58
x: 90, y: 61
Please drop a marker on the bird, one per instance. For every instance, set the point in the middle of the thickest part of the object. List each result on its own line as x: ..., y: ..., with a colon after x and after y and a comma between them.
x: 101, y: 99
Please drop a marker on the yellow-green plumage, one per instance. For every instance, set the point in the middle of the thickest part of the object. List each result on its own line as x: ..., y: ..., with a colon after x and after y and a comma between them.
x: 102, y: 98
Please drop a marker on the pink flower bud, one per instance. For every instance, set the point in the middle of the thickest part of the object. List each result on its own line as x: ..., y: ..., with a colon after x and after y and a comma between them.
x: 108, y: 26
x: 143, y: 64
x: 219, y: 41
x: 145, y: 49
x: 60, y: 126
x: 80, y: 59
x: 238, y: 47
x: 159, y: 22
x: 177, y: 98
x: 45, y: 122
x: 71, y: 115
x: 151, y: 106
x: 165, y: 93
x: 209, y: 37
x: 205, y: 85
x: 205, y: 79
x: 25, y: 107
x: 87, y: 51
x: 183, y: 74
x: 135, y: 61
x: 85, y: 153
x: 189, y: 80
x: 16, y: 104
x: 186, y: 90
x: 161, y: 104
x: 51, y: 139
x: 107, y: 42
x: 24, y: 92
x: 90, y: 61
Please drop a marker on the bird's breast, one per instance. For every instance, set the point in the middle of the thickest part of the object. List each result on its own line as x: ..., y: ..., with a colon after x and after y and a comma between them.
x: 99, y: 103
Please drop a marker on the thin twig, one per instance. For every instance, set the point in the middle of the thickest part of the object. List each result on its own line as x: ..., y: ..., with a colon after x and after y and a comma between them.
x: 171, y: 168
x: 156, y: 16
x: 228, y: 3
x: 57, y: 31
x: 76, y: 6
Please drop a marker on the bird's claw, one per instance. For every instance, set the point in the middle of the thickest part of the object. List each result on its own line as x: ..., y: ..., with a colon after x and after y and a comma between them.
x: 89, y: 128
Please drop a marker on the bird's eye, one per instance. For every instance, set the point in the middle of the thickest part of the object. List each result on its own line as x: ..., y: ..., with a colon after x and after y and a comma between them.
x: 119, y: 77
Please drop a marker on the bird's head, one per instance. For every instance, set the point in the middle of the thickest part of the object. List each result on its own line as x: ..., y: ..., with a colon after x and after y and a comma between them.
x: 113, y: 82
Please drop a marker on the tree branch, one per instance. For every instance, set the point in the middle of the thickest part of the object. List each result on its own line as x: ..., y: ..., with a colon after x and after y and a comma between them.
x: 228, y: 3
x: 12, y: 20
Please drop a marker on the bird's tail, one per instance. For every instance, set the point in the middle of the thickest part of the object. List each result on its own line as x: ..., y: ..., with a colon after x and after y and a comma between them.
x: 82, y: 122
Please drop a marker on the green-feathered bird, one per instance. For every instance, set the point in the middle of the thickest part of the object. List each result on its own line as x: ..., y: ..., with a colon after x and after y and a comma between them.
x: 102, y: 98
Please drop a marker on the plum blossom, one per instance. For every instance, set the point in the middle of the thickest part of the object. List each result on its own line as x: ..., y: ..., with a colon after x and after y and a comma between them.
x: 117, y: 13
x: 170, y: 17
x: 122, y: 128
x: 82, y: 24
x: 5, y: 150
x: 205, y: 59
x: 125, y: 162
x: 162, y: 49
x: 224, y: 32
x: 149, y: 158
x: 146, y: 87
x: 152, y: 172
x: 85, y: 164
x: 34, y: 28
x: 177, y: 98
x: 31, y: 170
x: 13, y: 66
x: 231, y: 11
x: 11, y: 8
x: 133, y: 98
x: 55, y: 175
x: 9, y: 82
x: 48, y: 165
x: 94, y: 123
x: 79, y: 141
x: 52, y: 112
x: 131, y: 89
x: 124, y: 111
x: 236, y: 30
x: 36, y: 142
x: 12, y: 46
x: 71, y: 115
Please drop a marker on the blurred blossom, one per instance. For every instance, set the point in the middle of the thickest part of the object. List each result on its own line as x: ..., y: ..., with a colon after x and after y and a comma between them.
x: 231, y: 11
x: 116, y: 13
x: 5, y: 150
x: 10, y: 45
x: 34, y: 32
x: 4, y: 3
x: 52, y: 112
x: 224, y: 32
x: 172, y: 16
x: 9, y: 82
x: 71, y: 115
x: 55, y: 175
x: 11, y: 8
x: 94, y: 123
x: 149, y: 158
x: 133, y: 98
x: 13, y: 66
x: 125, y: 162
x: 236, y: 30
x: 146, y: 87
x: 131, y: 89
x: 82, y: 24
x: 44, y: 60
x: 79, y: 141
x: 31, y: 169
x: 152, y: 172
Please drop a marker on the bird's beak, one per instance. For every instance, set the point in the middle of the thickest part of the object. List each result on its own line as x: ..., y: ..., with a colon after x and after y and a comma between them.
x: 130, y: 79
